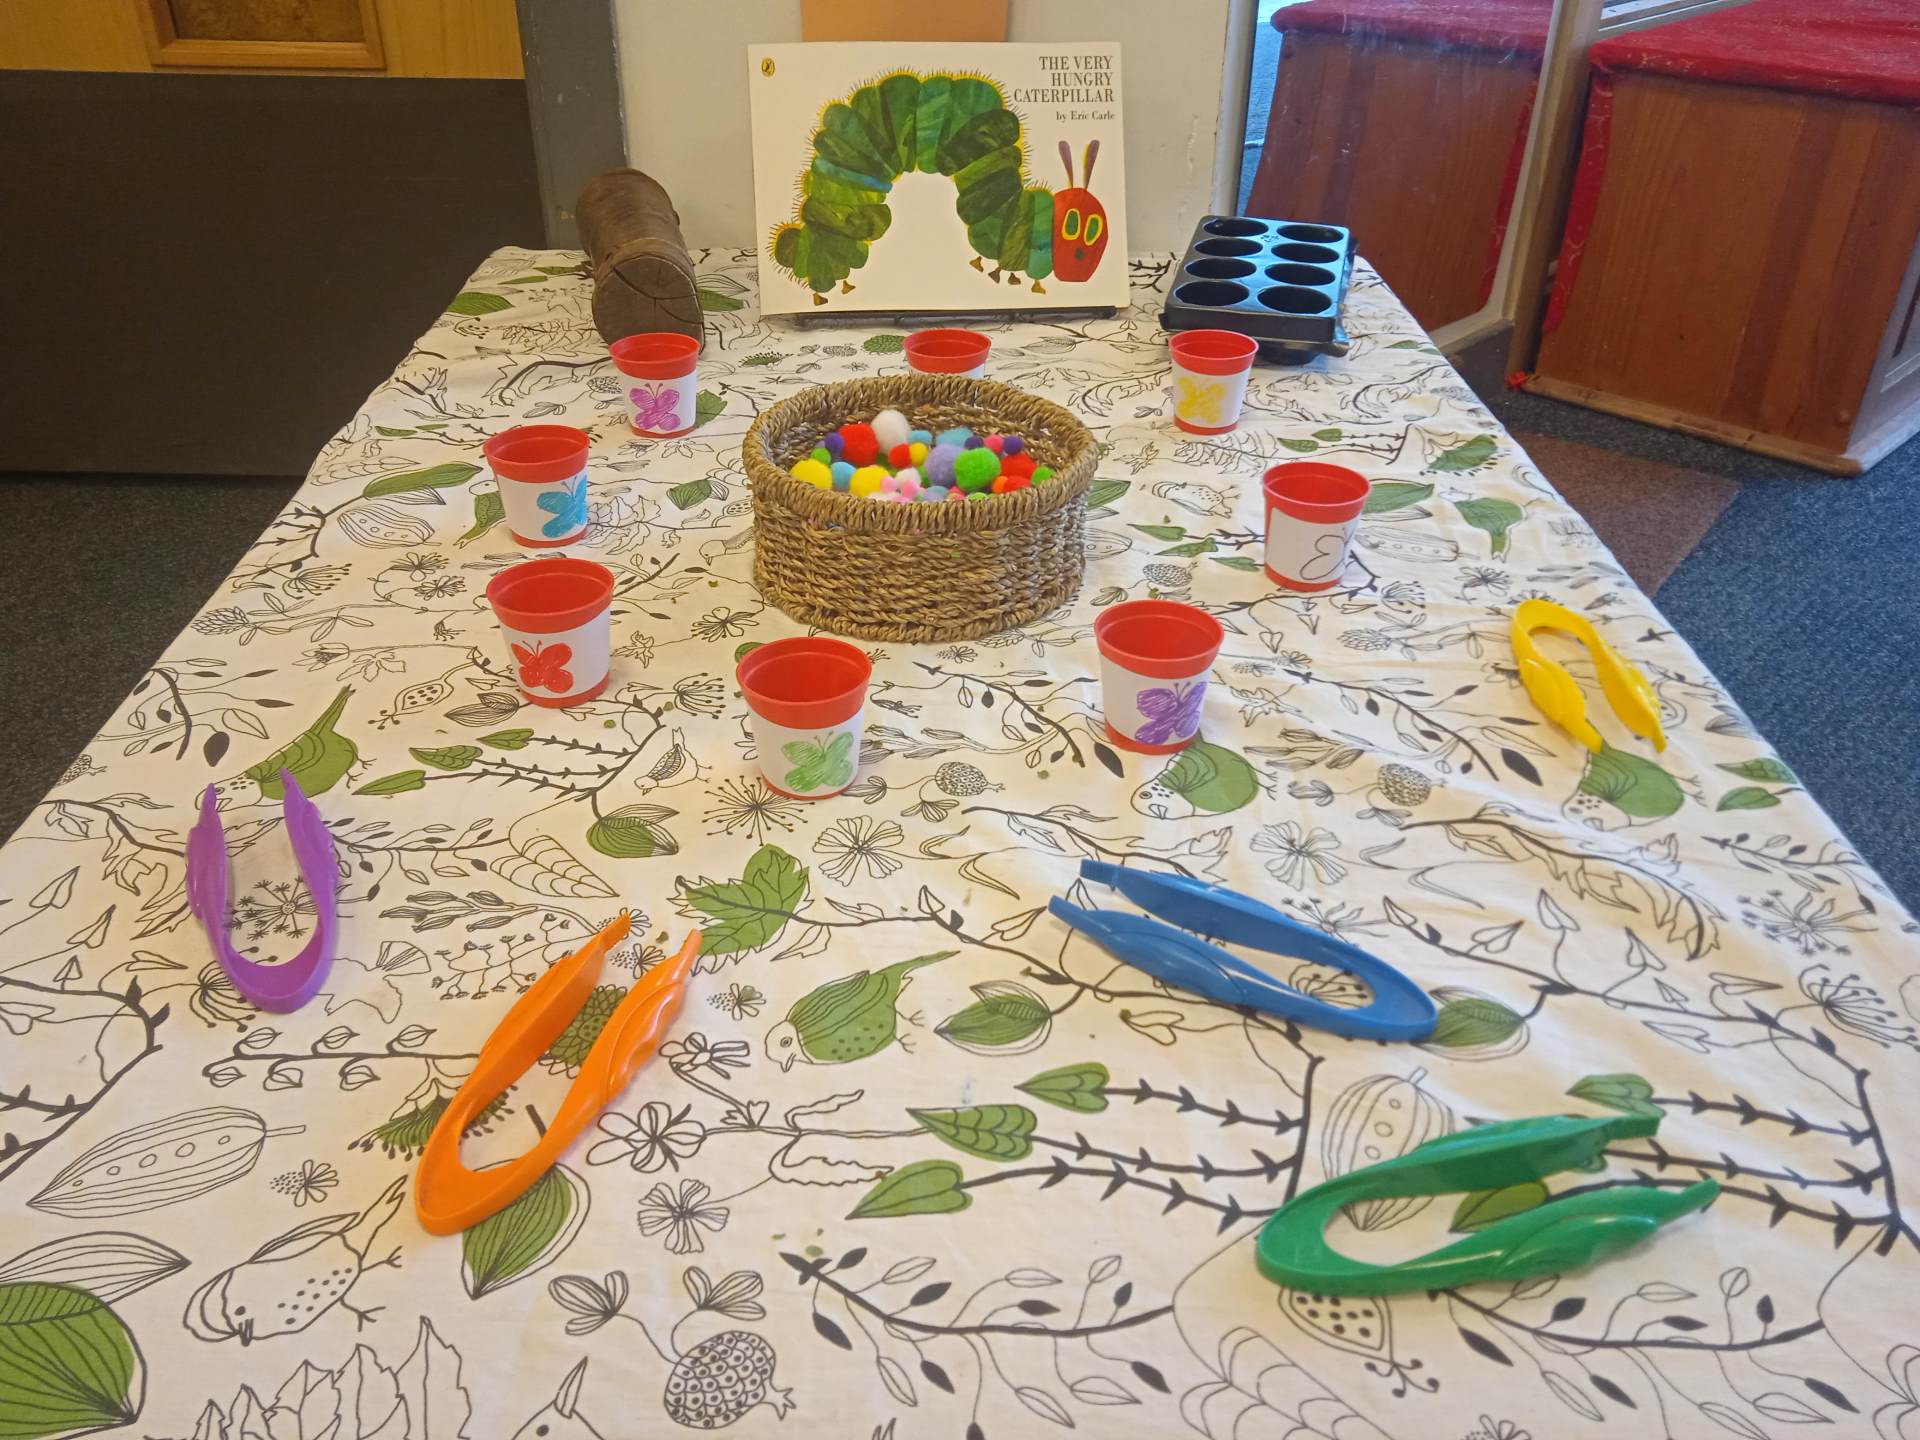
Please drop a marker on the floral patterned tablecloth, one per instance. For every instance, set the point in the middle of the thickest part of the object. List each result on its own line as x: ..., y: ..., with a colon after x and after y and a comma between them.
x: 917, y: 1162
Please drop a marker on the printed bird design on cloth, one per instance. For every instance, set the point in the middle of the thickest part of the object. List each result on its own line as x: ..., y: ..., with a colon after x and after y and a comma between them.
x: 1199, y: 400
x: 318, y: 757
x: 562, y: 1419
x: 291, y: 1281
x: 846, y: 1019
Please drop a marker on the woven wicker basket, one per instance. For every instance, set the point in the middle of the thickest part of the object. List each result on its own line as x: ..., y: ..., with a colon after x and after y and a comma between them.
x: 951, y: 571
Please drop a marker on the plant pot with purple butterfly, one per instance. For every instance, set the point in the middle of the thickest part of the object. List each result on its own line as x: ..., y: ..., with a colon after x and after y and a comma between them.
x: 660, y: 373
x: 807, y: 696
x: 556, y: 615
x: 1155, y: 657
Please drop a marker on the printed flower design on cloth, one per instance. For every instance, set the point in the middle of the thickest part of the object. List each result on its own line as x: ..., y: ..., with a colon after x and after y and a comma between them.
x: 568, y: 508
x: 309, y: 1184
x: 656, y: 1137
x: 859, y: 846
x: 1172, y: 714
x: 544, y: 667
x: 656, y: 407
x: 1297, y: 851
x: 821, y: 763
x: 682, y: 1213
x: 740, y: 1002
x: 695, y: 1052
x: 1201, y: 400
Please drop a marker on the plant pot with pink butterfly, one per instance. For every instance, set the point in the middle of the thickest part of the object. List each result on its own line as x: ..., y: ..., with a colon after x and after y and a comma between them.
x: 1155, y: 656
x: 1210, y: 373
x: 660, y: 373
x: 557, y: 616
x: 541, y: 472
x: 807, y: 697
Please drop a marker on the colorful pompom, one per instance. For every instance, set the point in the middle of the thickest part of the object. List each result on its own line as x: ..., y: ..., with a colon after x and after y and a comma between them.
x: 822, y: 454
x: 1042, y: 474
x: 917, y: 453
x: 842, y: 473
x: 1014, y: 445
x: 892, y: 429
x: 935, y: 492
x: 899, y: 457
x: 910, y: 483
x: 955, y: 437
x: 813, y: 472
x: 1017, y: 464
x: 972, y: 442
x: 975, y: 469
x: 995, y: 443
x: 940, y: 462
x: 862, y: 445
x: 834, y: 446
x: 920, y: 437
x: 868, y: 480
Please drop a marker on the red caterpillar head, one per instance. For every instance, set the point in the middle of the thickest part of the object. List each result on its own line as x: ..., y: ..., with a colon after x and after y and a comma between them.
x: 1079, y: 221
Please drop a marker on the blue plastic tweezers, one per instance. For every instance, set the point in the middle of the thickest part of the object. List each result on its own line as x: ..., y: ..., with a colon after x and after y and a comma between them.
x: 1400, y: 1009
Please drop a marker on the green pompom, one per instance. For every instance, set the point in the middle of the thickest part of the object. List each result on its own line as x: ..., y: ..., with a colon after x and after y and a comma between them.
x: 1042, y: 474
x: 975, y: 469
x: 822, y: 454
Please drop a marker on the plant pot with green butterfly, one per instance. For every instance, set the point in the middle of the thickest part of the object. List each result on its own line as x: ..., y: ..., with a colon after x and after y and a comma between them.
x: 807, y: 696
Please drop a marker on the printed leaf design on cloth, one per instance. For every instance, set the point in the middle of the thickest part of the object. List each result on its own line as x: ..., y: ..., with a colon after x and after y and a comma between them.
x: 884, y: 344
x: 820, y: 763
x: 1072, y: 1087
x: 1468, y: 455
x: 508, y: 739
x: 397, y: 783
x: 108, y: 1264
x: 1006, y: 1019
x: 1203, y: 779
x: 1481, y: 1208
x: 437, y: 477
x: 750, y: 912
x: 715, y: 302
x: 1765, y: 769
x: 1629, y: 1094
x: 1236, y: 562
x: 707, y: 406
x: 525, y: 1237
x: 543, y: 866
x: 446, y: 757
x: 1496, y: 517
x: 488, y: 511
x: 993, y: 1132
x: 634, y: 832
x: 1748, y: 797
x: 68, y: 1365
x: 690, y: 493
x: 1471, y: 1021
x: 1105, y: 492
x: 161, y: 1162
x: 1389, y: 495
x: 926, y: 1187
x: 477, y: 302
x: 1632, y: 784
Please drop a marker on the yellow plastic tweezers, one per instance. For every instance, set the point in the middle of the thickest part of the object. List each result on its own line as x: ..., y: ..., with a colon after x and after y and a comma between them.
x: 1558, y: 694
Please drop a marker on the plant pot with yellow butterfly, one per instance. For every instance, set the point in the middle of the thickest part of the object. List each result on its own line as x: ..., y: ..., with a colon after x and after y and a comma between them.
x: 1210, y: 373
x: 807, y: 696
x: 557, y: 616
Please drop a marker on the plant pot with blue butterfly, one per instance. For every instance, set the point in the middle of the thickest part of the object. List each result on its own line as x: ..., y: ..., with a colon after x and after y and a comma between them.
x: 557, y: 615
x: 1210, y: 373
x: 807, y: 696
x: 661, y: 374
x: 1155, y: 657
x: 541, y: 472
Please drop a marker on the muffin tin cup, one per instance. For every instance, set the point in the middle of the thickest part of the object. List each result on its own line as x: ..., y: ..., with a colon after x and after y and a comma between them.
x: 1312, y: 511
x: 1210, y: 373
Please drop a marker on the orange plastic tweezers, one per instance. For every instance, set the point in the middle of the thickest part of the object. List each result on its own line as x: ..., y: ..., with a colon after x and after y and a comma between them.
x: 447, y: 1195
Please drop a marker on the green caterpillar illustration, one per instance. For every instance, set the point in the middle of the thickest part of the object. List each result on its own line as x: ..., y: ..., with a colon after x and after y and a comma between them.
x: 957, y: 125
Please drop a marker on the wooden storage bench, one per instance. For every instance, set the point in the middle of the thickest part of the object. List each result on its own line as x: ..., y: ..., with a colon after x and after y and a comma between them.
x: 1405, y: 120
x: 1741, y: 254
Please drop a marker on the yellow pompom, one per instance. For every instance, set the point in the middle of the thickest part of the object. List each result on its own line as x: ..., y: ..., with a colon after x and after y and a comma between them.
x: 814, y: 473
x: 866, y: 480
x: 918, y: 452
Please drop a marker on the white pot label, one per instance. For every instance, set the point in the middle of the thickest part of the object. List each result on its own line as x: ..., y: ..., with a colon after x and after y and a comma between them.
x: 561, y: 663
x: 1209, y: 402
x: 1301, y: 550
x: 808, y: 763
x: 662, y: 407
x: 549, y: 513
x: 1150, y: 710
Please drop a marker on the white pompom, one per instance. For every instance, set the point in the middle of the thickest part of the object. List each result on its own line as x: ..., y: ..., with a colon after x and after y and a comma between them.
x: 892, y: 429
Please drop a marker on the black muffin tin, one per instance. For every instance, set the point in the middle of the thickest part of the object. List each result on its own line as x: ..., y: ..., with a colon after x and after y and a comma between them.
x: 1280, y: 281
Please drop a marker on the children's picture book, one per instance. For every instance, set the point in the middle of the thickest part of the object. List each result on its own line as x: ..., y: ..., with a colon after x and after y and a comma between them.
x: 895, y: 178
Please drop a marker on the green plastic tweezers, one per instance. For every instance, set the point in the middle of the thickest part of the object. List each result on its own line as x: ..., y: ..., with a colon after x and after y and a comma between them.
x: 1557, y: 1235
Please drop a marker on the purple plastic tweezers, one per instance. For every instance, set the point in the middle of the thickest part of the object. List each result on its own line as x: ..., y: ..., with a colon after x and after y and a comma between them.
x: 269, y: 987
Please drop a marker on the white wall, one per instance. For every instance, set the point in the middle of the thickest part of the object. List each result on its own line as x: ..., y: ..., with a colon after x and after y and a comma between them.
x: 684, y: 83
